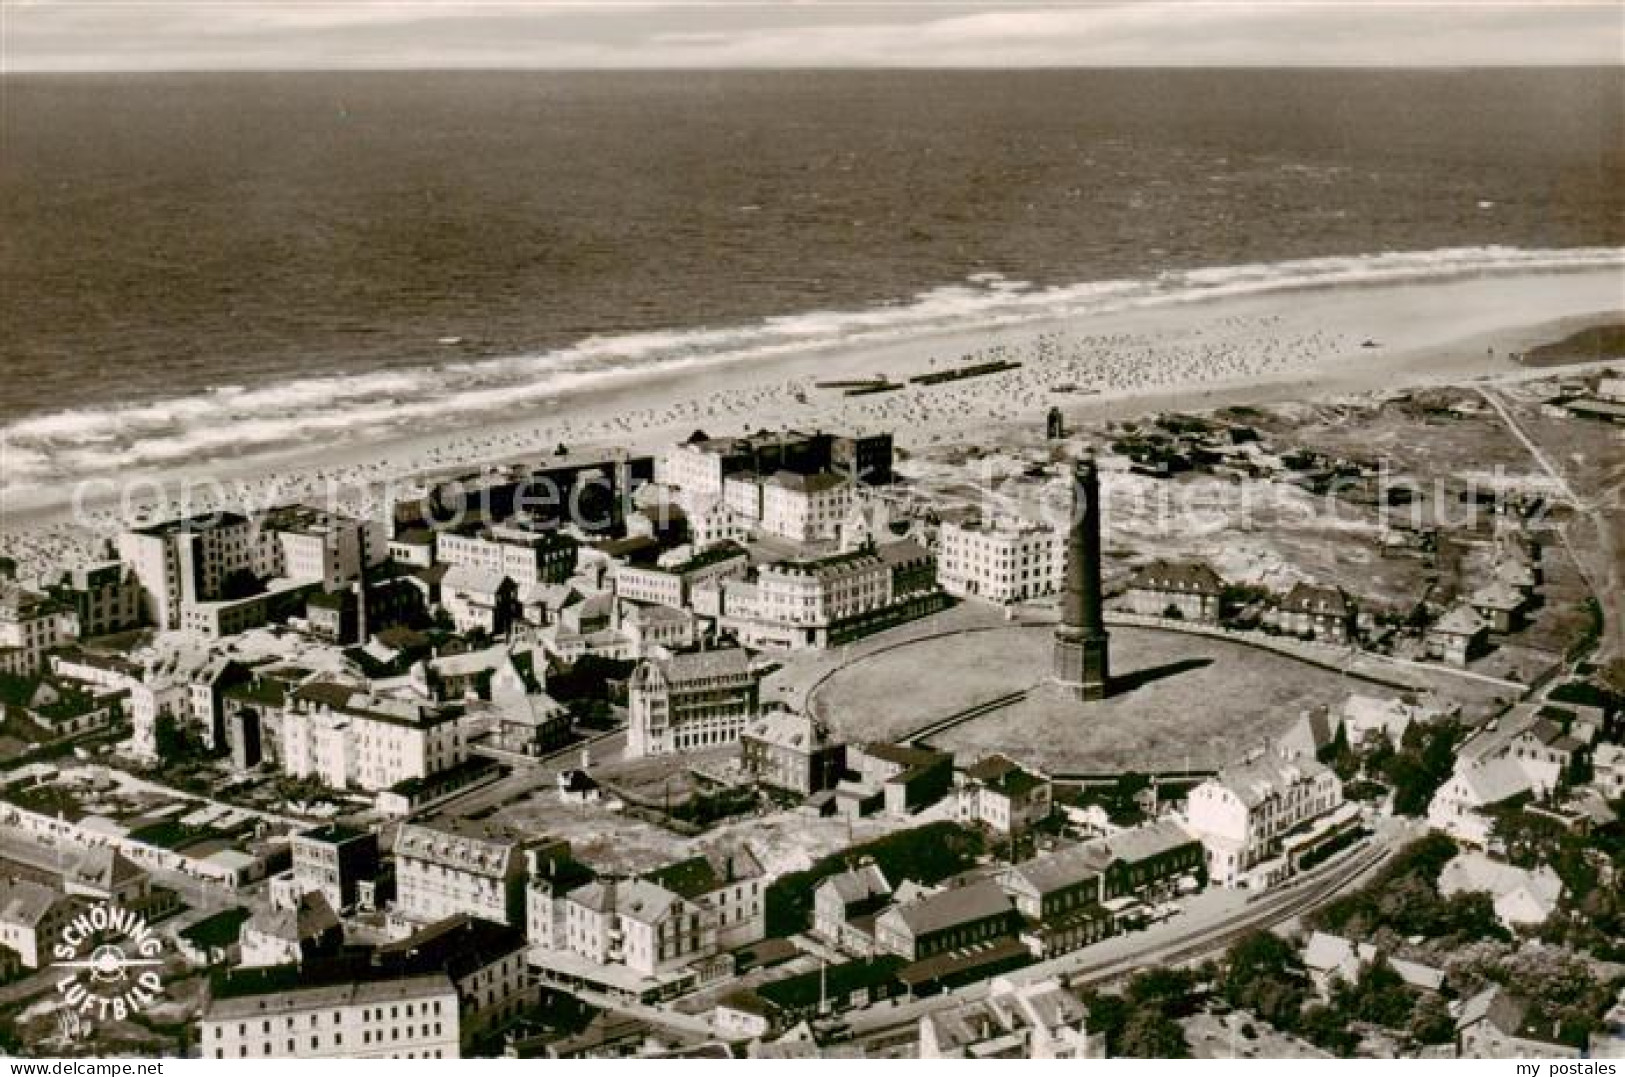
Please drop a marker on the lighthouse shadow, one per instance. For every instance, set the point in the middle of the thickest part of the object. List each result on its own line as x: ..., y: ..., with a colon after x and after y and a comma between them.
x: 1128, y: 682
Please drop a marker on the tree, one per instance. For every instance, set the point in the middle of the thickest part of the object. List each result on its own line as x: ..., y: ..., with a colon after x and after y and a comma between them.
x: 1613, y: 675
x: 1328, y: 1030
x: 1378, y: 996
x: 1150, y: 1033
x: 1431, y: 1021
x: 1108, y: 1016
x: 1170, y: 990
x: 1263, y: 974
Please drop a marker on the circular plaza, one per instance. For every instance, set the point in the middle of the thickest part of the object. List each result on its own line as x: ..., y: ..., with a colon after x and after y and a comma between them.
x: 1178, y: 700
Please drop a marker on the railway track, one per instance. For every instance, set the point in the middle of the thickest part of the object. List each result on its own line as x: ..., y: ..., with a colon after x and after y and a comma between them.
x: 1292, y: 899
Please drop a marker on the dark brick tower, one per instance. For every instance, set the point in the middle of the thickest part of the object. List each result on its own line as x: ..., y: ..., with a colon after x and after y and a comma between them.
x: 1080, y: 639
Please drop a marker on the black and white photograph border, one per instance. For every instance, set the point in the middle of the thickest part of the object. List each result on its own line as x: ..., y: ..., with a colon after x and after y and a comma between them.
x: 718, y: 529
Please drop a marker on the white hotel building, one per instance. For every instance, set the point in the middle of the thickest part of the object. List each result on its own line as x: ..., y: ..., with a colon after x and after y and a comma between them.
x: 186, y: 562
x: 690, y: 701
x: 805, y: 508
x: 410, y: 1017
x: 348, y: 738
x: 1244, y: 815
x: 1003, y: 561
x: 455, y: 866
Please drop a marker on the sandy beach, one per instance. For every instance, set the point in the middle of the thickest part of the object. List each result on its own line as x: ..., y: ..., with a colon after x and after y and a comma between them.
x: 1292, y: 344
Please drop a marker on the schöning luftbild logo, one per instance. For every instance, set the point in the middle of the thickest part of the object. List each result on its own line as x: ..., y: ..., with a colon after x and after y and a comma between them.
x: 112, y: 957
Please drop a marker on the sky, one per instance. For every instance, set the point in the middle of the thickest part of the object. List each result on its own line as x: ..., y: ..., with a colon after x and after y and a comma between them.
x: 171, y: 35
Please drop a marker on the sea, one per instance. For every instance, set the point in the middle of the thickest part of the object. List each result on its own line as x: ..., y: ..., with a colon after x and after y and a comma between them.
x: 198, y: 264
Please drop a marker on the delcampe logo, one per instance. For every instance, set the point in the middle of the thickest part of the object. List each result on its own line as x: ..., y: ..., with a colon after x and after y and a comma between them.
x: 111, y: 956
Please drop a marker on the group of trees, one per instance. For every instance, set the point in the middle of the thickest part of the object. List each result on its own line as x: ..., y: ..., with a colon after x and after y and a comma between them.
x: 1414, y: 770
x: 1567, y: 996
x: 1592, y: 916
x: 1263, y: 975
x: 1143, y: 1021
x: 1404, y: 902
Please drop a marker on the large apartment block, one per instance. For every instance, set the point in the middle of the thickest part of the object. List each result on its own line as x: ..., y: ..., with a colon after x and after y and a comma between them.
x: 349, y: 738
x: 700, y: 465
x: 530, y: 558
x: 1003, y: 561
x: 187, y: 562
x: 399, y: 1017
x: 690, y: 701
x: 826, y: 601
x: 452, y: 866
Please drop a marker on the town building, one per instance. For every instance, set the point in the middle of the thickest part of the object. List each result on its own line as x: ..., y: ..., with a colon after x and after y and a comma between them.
x: 690, y: 701
x: 1524, y: 753
x: 846, y: 904
x: 1077, y: 895
x: 529, y: 721
x: 1608, y: 770
x: 1002, y: 561
x: 714, y: 522
x: 952, y: 919
x: 1015, y: 1020
x: 32, y: 917
x: 637, y: 924
x: 1459, y: 806
x: 224, y: 559
x: 530, y: 558
x: 349, y: 738
x: 672, y: 581
x: 1500, y: 604
x: 106, y: 874
x: 189, y: 560
x: 827, y: 601
x: 1458, y: 637
x: 479, y: 600
x: 729, y: 885
x: 792, y: 752
x: 805, y: 508
x: 1331, y: 960
x: 903, y: 779
x: 105, y: 598
x: 31, y: 625
x: 1498, y: 1023
x: 291, y: 936
x: 1254, y: 818
x: 1324, y: 614
x: 334, y: 860
x: 699, y: 466
x: 487, y: 963
x: 651, y: 629
x: 453, y: 866
x: 1523, y: 898
x: 1000, y: 794
x: 278, y: 1016
x: 1184, y: 590
x: 413, y: 547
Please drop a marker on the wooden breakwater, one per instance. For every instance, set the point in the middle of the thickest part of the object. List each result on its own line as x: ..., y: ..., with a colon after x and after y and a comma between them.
x: 976, y: 370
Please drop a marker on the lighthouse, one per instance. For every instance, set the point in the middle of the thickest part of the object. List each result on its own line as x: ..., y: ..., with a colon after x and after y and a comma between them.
x: 1081, y: 666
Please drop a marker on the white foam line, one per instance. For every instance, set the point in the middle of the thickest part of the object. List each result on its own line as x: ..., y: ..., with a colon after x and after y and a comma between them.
x: 233, y: 418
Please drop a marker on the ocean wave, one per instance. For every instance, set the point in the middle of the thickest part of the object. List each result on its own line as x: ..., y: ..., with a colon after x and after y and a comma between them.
x: 236, y: 420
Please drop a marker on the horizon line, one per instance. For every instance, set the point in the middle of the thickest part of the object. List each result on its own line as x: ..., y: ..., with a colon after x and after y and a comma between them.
x: 793, y: 68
